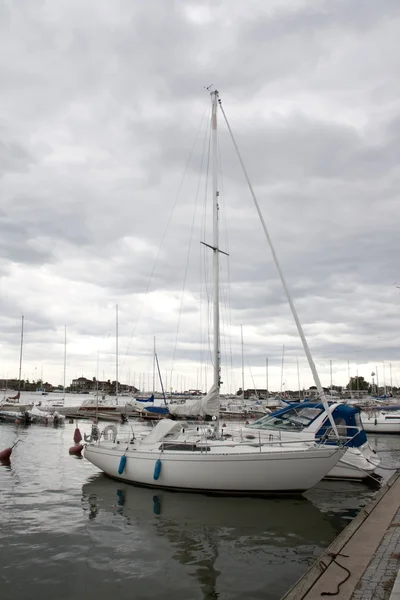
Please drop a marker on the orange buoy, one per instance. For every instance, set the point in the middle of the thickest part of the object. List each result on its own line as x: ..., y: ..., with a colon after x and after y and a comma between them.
x: 76, y: 450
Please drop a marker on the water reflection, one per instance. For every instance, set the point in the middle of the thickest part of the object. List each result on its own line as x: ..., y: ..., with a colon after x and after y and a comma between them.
x: 204, y: 532
x: 65, y: 527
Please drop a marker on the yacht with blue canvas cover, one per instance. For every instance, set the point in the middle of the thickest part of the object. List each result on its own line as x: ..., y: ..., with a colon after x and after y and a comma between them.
x: 309, y: 420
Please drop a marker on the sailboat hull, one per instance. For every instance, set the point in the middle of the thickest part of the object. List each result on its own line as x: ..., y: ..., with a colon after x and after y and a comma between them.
x: 381, y: 421
x: 229, y: 470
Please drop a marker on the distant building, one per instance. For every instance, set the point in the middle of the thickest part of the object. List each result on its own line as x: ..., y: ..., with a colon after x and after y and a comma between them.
x: 312, y: 392
x: 82, y: 384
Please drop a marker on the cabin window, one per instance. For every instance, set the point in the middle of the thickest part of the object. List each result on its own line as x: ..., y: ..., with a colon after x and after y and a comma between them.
x: 359, y: 424
x: 294, y: 419
x: 341, y: 426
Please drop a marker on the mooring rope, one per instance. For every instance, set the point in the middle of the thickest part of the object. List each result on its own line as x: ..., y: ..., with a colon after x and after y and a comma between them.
x: 333, y: 555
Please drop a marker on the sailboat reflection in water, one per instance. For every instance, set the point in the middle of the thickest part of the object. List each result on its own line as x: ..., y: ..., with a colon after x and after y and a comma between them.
x: 177, y: 456
x: 215, y: 539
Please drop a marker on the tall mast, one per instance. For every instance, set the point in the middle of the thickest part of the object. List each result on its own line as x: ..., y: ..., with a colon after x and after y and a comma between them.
x: 266, y: 375
x: 241, y: 333
x: 298, y: 378
x: 97, y: 386
x: 330, y: 367
x: 216, y: 361
x: 154, y: 364
x: 65, y: 359
x: 20, y: 354
x: 377, y: 381
x: 116, y: 351
x: 283, y: 358
x: 384, y: 378
x: 348, y: 374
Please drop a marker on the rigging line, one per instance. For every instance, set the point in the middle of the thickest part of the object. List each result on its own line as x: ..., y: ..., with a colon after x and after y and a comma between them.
x: 226, y: 337
x: 189, y: 250
x: 226, y: 232
x: 203, y: 276
x: 207, y: 271
x: 251, y: 374
x: 166, y: 229
x: 283, y: 280
x: 203, y: 259
x: 202, y: 255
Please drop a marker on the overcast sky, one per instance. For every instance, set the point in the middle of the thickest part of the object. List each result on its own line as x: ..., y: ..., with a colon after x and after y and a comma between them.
x: 103, y: 112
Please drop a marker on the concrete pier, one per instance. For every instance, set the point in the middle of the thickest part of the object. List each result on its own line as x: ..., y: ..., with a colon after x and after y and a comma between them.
x: 363, y: 562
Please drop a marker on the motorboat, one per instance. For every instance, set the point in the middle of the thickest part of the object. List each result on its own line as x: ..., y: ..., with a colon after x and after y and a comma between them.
x: 309, y: 420
x: 15, y: 416
x: 45, y: 418
x: 242, y: 410
x: 51, y: 406
x: 101, y: 403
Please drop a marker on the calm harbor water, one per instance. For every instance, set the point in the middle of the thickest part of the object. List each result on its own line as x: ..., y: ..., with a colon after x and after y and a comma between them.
x: 67, y: 531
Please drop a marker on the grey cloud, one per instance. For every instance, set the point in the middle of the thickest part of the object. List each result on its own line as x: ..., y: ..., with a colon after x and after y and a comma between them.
x: 102, y: 104
x: 14, y: 157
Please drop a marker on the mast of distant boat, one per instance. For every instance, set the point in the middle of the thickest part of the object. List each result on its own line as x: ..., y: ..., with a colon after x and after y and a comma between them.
x: 350, y: 382
x: 159, y: 375
x: 65, y: 360
x: 97, y: 387
x: 20, y: 357
x: 283, y: 281
x: 116, y: 353
x: 298, y: 379
x: 241, y: 335
x: 154, y: 365
x: 377, y: 380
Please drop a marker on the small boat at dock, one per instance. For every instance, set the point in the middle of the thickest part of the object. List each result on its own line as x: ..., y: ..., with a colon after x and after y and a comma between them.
x: 381, y: 419
x: 310, y: 420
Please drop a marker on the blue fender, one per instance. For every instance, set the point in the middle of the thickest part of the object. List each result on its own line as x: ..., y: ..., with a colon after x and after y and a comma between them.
x: 157, y: 469
x: 122, y: 464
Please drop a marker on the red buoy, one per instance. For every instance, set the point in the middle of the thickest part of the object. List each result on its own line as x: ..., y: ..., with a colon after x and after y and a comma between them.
x: 76, y: 450
x: 77, y: 436
x: 5, y: 454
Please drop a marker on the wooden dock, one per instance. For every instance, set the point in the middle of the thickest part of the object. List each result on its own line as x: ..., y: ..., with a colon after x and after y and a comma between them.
x: 363, y: 561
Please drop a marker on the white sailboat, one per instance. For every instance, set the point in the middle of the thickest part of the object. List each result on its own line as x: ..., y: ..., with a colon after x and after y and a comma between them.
x: 47, y: 414
x: 11, y: 409
x: 95, y: 404
x: 201, y: 459
x: 381, y: 419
